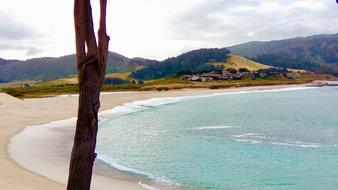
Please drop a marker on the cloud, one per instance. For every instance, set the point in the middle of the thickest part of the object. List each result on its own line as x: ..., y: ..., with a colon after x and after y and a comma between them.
x: 18, y: 37
x: 13, y: 29
x: 228, y: 22
x: 162, y: 28
x: 29, y: 50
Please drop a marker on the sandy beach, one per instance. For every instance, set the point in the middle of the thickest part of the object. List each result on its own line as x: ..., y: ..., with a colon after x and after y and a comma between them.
x: 17, y: 114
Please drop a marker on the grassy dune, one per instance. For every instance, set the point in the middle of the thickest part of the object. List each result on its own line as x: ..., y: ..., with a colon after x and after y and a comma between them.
x: 124, y: 76
x: 62, y: 81
x: 237, y: 62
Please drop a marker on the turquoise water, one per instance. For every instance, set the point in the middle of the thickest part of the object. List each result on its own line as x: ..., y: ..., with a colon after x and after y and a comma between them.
x: 270, y: 140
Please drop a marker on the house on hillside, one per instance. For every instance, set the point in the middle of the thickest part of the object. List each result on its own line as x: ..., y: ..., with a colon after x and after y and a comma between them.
x: 191, y: 77
x: 291, y: 75
x: 234, y: 74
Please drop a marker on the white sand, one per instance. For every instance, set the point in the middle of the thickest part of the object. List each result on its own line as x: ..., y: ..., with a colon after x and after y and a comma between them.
x: 52, y: 162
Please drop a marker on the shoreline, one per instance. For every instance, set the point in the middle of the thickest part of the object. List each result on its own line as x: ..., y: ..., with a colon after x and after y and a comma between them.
x: 59, y: 112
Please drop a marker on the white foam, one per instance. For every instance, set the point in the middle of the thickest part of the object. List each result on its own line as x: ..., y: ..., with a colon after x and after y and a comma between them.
x: 246, y: 134
x: 139, y: 106
x: 213, y: 127
x: 248, y: 140
x: 298, y: 144
x: 136, y: 172
x: 153, y: 102
x: 153, y: 133
x: 120, y: 110
x: 291, y: 144
x: 267, y: 90
x: 255, y: 138
x: 289, y: 89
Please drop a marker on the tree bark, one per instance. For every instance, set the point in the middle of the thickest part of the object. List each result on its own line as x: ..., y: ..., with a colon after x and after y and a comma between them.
x: 91, y: 65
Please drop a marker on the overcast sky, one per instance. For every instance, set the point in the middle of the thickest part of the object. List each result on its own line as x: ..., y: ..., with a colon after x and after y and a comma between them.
x: 161, y: 28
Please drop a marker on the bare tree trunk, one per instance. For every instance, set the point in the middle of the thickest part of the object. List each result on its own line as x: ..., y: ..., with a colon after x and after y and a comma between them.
x: 91, y: 69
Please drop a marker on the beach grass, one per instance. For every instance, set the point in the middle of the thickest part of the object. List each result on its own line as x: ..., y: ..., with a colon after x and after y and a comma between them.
x: 39, y: 91
x: 73, y: 79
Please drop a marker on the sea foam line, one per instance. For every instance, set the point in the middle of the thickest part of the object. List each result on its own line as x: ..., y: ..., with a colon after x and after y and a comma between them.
x: 135, y: 172
x: 298, y: 144
x: 256, y: 138
x: 213, y: 127
x: 290, y: 144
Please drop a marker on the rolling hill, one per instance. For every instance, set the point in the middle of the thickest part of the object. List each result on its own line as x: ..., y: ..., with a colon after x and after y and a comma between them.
x: 49, y: 68
x: 63, y: 69
x: 193, y: 61
x: 317, y: 53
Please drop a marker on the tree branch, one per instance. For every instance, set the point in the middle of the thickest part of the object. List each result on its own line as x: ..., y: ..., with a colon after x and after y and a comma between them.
x: 80, y: 28
x: 103, y: 37
x: 90, y: 34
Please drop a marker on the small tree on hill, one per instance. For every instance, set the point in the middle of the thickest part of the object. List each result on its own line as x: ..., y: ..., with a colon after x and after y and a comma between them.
x: 231, y: 70
x: 243, y: 70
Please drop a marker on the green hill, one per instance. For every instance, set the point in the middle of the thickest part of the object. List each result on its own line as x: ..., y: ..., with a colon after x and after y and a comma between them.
x: 193, y: 61
x: 49, y: 68
x: 317, y: 53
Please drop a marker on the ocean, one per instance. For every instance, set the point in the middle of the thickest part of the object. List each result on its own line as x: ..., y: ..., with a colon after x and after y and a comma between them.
x: 284, y: 139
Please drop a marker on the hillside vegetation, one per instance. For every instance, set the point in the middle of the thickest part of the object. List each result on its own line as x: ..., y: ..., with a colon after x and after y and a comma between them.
x: 316, y: 53
x: 48, y: 68
x: 193, y: 61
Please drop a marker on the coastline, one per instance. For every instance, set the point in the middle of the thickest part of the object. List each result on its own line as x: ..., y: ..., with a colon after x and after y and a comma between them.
x: 18, y: 114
